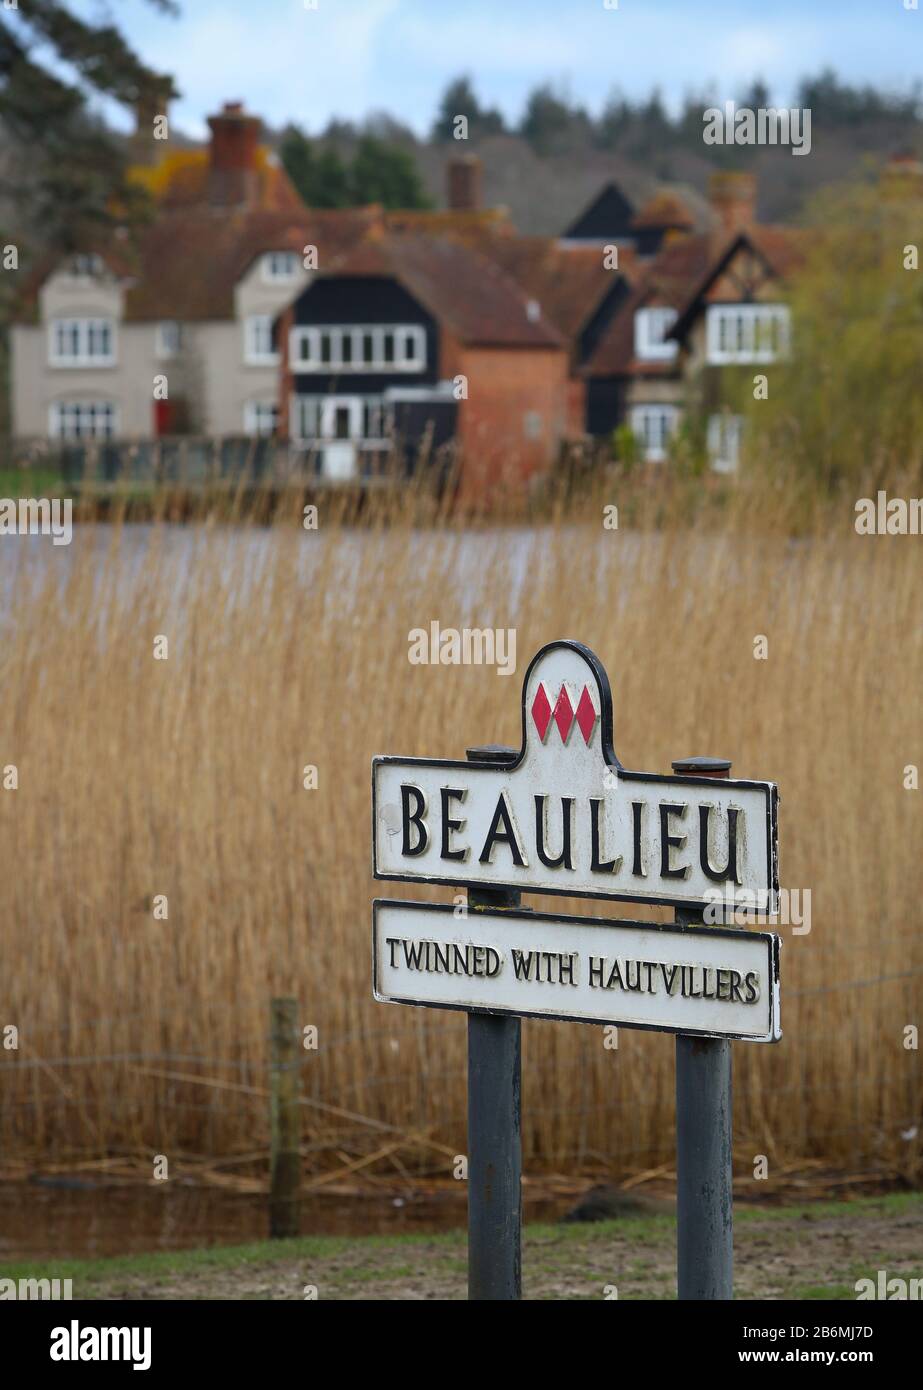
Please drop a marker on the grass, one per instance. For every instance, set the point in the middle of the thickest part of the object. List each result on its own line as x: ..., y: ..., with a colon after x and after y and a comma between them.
x: 182, y: 778
x: 815, y: 1243
x: 32, y: 482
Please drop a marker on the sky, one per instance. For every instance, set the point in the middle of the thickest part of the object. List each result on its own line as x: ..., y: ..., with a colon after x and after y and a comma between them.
x: 309, y: 60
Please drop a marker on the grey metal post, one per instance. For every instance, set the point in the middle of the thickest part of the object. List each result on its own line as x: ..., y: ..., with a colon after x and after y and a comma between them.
x: 494, y: 1124
x: 704, y: 1204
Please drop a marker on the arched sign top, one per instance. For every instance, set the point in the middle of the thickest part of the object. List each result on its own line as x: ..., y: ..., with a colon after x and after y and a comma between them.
x: 566, y: 817
x: 567, y: 704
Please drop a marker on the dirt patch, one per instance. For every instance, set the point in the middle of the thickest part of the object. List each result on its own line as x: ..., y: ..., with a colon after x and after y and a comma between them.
x: 778, y: 1254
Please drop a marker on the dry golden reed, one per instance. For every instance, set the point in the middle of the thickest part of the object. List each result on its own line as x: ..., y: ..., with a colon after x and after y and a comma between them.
x: 184, y: 777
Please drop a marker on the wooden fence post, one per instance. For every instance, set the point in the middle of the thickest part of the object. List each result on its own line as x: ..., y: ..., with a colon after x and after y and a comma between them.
x: 285, y: 1119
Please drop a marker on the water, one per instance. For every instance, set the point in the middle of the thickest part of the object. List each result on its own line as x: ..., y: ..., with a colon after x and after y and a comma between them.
x: 48, y: 1223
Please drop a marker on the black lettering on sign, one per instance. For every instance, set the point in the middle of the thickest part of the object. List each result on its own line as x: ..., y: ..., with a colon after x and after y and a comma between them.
x: 730, y: 870
x: 637, y: 867
x: 506, y: 836
x: 448, y: 824
x: 413, y: 818
x: 598, y: 865
x: 669, y: 973
x: 564, y: 860
x: 670, y: 842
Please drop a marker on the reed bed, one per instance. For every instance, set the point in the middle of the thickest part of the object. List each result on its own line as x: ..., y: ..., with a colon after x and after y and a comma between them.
x: 183, y: 777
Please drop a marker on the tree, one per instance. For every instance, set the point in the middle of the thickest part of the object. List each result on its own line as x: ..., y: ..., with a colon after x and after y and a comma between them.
x: 846, y: 409
x: 459, y: 99
x: 321, y: 177
x: 550, y: 123
x: 756, y: 97
x: 384, y: 174
x: 378, y: 173
x: 615, y: 121
x: 68, y: 172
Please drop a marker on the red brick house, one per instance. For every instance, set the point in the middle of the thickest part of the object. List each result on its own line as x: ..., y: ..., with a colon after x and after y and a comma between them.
x: 422, y: 343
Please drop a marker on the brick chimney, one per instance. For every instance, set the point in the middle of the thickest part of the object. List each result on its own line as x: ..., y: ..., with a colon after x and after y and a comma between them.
x: 463, y: 183
x: 153, y: 100
x: 733, y: 200
x: 233, y: 171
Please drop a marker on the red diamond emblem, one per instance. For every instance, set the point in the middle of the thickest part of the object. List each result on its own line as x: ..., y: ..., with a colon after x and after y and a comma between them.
x: 541, y: 711
x: 564, y: 714
x: 586, y: 715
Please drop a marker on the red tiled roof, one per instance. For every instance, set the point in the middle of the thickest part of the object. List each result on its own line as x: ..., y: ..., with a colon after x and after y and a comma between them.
x: 568, y: 281
x: 665, y: 282
x: 181, y: 181
x: 186, y: 264
x: 664, y: 210
x: 477, y: 225
x: 461, y: 288
x: 782, y: 248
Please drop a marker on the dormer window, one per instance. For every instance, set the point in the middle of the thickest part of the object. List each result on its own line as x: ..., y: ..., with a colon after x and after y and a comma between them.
x: 279, y: 267
x: 651, y: 329
x: 85, y: 266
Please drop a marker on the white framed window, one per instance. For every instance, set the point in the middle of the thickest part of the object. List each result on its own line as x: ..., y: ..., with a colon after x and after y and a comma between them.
x: 746, y: 332
x: 653, y: 425
x: 258, y: 348
x: 723, y: 441
x: 651, y: 328
x: 81, y: 343
x: 279, y: 267
x: 82, y: 420
x: 335, y: 348
x: 168, y: 339
x: 363, y: 419
x: 260, y: 417
x: 304, y: 417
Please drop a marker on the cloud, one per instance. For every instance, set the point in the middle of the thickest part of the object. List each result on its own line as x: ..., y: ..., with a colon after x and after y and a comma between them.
x: 349, y: 57
x: 285, y: 61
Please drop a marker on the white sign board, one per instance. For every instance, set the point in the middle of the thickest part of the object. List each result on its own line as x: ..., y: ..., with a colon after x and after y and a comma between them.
x: 710, y: 981
x: 567, y: 818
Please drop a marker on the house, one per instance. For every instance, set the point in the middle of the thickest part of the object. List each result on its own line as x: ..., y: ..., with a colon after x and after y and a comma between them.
x: 171, y: 331
x: 706, y: 301
x: 613, y: 219
x: 580, y: 291
x: 423, y: 344
x: 734, y: 323
x: 634, y: 375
